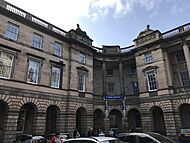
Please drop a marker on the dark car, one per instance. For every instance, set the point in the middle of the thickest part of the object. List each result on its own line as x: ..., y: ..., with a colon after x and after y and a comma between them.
x: 23, y: 138
x: 143, y: 138
x: 184, y: 136
x: 38, y: 139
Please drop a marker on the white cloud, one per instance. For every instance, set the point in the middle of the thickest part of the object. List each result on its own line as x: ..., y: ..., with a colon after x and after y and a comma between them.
x: 67, y: 13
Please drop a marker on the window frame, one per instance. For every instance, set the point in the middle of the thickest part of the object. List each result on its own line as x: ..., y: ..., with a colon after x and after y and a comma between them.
x: 184, y: 82
x: 60, y: 46
x: 180, y: 57
x: 154, y: 81
x: 83, y: 74
x: 37, y: 41
x: 11, y: 65
x: 110, y: 88
x: 135, y: 88
x: 59, y: 80
x: 39, y: 70
x: 109, y: 71
x: 82, y: 58
x: 9, y: 33
x: 148, y: 58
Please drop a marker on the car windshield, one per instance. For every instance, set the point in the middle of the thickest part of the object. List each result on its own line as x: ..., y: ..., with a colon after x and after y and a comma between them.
x: 111, y: 141
x: 185, y: 130
x: 161, y: 138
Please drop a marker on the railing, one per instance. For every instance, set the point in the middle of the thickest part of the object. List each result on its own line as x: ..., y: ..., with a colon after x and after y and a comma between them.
x: 123, y: 50
x: 176, y: 31
x: 32, y: 18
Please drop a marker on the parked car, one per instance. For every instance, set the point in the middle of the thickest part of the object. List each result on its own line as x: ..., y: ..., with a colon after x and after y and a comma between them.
x: 184, y: 136
x: 23, y: 138
x: 38, y: 139
x: 143, y: 138
x: 93, y: 140
x: 64, y: 136
x: 27, y: 138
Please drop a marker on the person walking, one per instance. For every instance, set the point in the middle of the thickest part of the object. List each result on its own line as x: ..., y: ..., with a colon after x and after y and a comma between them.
x: 76, y: 134
x: 56, y: 138
x: 90, y: 133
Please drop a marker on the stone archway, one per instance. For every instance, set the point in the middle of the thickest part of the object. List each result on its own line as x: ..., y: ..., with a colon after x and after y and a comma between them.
x: 158, y: 120
x: 3, y: 111
x: 26, y: 118
x: 115, y: 117
x: 81, y: 121
x: 134, y: 120
x: 184, y: 110
x: 51, y: 119
x: 98, y: 119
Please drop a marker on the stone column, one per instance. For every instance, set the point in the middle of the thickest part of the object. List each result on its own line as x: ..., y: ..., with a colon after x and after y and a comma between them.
x: 104, y: 78
x: 187, y: 56
x: 169, y: 123
x: 147, y: 124
x: 11, y: 125
x: 121, y: 78
x: 168, y: 70
x: 107, y: 124
x: 40, y: 123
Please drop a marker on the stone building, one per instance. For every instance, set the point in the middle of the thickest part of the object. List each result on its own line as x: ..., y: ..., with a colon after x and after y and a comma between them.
x: 51, y: 79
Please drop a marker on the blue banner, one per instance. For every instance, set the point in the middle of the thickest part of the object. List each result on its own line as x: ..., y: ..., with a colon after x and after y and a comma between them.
x: 109, y: 97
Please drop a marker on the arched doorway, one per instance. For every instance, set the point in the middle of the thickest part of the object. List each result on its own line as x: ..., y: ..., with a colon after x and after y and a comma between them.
x: 158, y: 120
x: 26, y: 118
x: 134, y: 120
x: 98, y: 120
x: 184, y: 110
x: 115, y: 117
x: 51, y: 119
x: 81, y: 121
x: 3, y: 111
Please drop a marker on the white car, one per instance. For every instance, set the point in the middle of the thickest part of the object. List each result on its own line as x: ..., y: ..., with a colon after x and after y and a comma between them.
x: 93, y: 140
x: 149, y: 137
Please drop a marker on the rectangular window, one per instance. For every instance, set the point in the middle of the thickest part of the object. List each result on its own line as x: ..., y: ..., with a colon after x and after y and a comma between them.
x: 180, y: 57
x: 81, y: 82
x: 55, y: 77
x: 110, y: 87
x: 148, y: 57
x: 133, y: 69
x: 37, y: 41
x: 151, y: 79
x: 185, y: 78
x: 33, y: 71
x: 12, y: 31
x: 6, y: 63
x: 57, y: 49
x: 109, y: 71
x: 82, y: 58
x: 135, y: 88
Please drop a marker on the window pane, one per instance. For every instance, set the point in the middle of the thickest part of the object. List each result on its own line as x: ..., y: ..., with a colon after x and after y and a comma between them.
x: 82, y: 58
x: 180, y: 57
x: 55, y: 78
x: 57, y: 49
x: 185, y: 78
x: 12, y: 31
x: 33, y: 71
x: 148, y: 57
x: 6, y: 61
x: 81, y: 82
x: 37, y: 41
x: 151, y: 78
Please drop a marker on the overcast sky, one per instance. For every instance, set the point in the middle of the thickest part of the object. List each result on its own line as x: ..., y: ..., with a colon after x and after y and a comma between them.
x: 110, y: 22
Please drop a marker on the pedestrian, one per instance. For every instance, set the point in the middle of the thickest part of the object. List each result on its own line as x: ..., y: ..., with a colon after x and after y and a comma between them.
x: 56, y: 138
x: 90, y: 133
x: 76, y: 134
